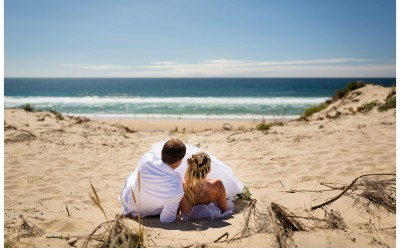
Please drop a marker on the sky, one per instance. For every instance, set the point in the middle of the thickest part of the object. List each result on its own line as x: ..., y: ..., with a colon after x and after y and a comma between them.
x: 200, y: 38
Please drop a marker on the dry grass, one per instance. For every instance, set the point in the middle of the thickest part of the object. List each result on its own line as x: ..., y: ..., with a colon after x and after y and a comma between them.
x: 384, y: 191
x: 19, y: 136
x: 126, y: 129
x: 26, y: 229
x: 282, y: 222
x: 118, y: 233
x: 274, y: 219
x: 122, y: 232
x: 377, y: 193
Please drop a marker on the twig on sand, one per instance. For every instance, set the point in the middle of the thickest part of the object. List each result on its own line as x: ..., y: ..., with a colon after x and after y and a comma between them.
x: 236, y: 133
x: 58, y: 237
x: 225, y: 234
x: 345, y: 190
x: 292, y: 191
x: 66, y: 206
x: 283, y: 224
x: 332, y: 187
x: 251, y: 206
x: 197, y: 245
x: 189, y: 246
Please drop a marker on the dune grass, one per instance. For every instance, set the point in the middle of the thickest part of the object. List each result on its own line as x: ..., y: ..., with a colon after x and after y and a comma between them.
x: 390, y: 102
x: 314, y: 109
x: 350, y: 87
x: 28, y: 108
x: 120, y: 232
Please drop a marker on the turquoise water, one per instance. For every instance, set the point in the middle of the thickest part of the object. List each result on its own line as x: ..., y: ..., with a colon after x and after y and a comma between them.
x: 199, y: 98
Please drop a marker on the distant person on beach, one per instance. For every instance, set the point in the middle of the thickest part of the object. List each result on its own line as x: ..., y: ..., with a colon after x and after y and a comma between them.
x: 156, y: 186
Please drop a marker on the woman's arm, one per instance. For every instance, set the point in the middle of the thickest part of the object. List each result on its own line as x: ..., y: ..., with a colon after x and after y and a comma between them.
x: 184, y: 205
x: 221, y: 194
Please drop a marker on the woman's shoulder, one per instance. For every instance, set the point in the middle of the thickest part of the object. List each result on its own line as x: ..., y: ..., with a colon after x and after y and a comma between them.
x: 215, y: 182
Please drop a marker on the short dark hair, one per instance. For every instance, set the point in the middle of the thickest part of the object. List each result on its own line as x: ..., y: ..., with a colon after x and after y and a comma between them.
x: 173, y: 151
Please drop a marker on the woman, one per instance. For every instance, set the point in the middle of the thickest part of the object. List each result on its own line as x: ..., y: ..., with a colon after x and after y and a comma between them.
x: 199, y: 190
x: 219, y: 172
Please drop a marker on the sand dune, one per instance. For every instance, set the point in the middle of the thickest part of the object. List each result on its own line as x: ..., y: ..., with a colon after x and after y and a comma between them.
x: 49, y: 164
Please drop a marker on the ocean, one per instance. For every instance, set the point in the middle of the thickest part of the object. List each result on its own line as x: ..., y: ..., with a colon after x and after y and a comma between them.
x: 176, y: 98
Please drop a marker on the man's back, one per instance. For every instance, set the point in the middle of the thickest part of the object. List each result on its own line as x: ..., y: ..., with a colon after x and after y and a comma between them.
x: 160, y: 189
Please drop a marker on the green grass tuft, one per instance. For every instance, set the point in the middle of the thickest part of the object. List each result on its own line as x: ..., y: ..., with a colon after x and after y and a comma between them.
x: 58, y: 115
x: 350, y: 87
x: 390, y: 102
x: 27, y: 107
x: 314, y: 109
x: 262, y: 126
x: 367, y: 107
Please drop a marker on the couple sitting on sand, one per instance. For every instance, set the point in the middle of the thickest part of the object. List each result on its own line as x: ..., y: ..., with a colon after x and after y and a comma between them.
x: 156, y: 187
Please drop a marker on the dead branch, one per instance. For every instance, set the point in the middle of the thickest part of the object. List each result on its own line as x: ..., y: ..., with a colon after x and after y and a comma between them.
x: 283, y: 224
x: 251, y: 206
x: 305, y: 190
x: 332, y: 187
x: 222, y: 236
x: 66, y: 206
x: 345, y: 190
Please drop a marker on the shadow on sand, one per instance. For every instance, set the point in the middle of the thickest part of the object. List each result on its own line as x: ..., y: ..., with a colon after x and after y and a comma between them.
x: 197, y: 224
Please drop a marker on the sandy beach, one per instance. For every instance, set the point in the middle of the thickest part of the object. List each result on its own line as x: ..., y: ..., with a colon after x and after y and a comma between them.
x: 50, y: 161
x: 181, y: 125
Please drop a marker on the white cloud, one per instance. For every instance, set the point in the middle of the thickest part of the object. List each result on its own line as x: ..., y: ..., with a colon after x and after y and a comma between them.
x: 165, y: 63
x: 330, y: 67
x: 93, y: 67
x: 318, y: 61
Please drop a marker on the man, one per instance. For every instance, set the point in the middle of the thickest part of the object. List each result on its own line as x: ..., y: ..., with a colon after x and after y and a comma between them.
x: 157, y: 187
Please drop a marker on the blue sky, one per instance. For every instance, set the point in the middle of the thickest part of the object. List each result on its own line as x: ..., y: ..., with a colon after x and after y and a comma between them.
x: 200, y: 38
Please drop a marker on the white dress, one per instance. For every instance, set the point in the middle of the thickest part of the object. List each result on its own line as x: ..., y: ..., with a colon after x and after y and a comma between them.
x: 219, y: 170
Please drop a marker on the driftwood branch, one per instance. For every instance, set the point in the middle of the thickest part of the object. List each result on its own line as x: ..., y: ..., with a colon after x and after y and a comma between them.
x: 345, y: 190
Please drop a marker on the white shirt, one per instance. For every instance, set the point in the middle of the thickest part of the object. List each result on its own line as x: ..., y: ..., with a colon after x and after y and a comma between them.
x: 160, y: 191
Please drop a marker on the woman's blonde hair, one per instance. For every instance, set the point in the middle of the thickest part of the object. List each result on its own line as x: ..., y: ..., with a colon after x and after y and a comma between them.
x: 199, y: 165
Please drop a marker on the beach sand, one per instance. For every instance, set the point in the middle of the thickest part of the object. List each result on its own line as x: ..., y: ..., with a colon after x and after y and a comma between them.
x: 50, y: 163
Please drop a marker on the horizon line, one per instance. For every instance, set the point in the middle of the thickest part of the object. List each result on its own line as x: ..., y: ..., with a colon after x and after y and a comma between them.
x: 201, y: 77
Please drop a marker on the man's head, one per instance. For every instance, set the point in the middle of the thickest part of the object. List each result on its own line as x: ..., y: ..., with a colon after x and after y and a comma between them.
x: 173, y: 151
